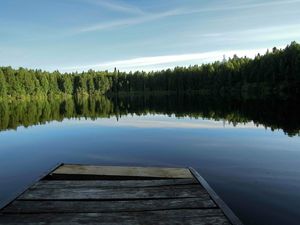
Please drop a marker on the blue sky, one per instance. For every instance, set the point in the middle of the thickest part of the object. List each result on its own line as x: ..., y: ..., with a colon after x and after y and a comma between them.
x: 76, y: 35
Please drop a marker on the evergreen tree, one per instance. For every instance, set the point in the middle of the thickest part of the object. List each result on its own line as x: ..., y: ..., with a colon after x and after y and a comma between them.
x: 275, y: 73
x: 3, y: 85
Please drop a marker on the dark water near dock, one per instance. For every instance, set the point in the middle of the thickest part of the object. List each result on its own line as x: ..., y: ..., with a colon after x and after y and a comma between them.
x: 249, y: 151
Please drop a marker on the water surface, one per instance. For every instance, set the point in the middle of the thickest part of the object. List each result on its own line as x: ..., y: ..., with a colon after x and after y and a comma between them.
x: 254, y: 169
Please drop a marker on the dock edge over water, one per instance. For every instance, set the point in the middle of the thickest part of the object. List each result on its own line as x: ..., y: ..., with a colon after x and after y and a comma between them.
x: 118, y: 195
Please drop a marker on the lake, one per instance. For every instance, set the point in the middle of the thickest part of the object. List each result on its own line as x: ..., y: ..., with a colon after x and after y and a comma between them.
x: 247, y: 150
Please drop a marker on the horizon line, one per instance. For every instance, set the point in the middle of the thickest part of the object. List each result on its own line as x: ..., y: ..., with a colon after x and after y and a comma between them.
x: 157, y: 63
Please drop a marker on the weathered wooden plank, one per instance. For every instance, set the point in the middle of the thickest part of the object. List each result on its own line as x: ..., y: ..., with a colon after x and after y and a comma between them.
x: 111, y: 183
x: 180, y: 191
x: 108, y: 206
x: 165, y: 217
x: 169, y: 196
x: 123, y: 171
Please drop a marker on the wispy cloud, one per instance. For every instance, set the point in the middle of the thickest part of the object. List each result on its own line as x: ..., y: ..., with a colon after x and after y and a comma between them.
x: 127, y: 22
x: 117, y: 6
x: 146, y: 17
x: 157, y: 61
x: 261, y: 34
x: 235, y: 6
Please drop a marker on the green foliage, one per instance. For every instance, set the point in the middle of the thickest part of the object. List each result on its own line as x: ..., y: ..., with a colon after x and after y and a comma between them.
x: 3, y: 85
x: 275, y: 73
x: 272, y: 113
x: 65, y: 83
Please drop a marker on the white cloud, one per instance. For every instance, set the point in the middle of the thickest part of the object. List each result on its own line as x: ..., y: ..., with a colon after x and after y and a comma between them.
x: 146, y: 17
x: 116, y: 6
x: 260, y: 34
x: 158, y: 61
x: 126, y: 22
x: 236, y: 6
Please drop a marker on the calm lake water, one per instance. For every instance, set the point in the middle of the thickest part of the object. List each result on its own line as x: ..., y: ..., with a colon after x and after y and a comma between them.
x: 254, y: 169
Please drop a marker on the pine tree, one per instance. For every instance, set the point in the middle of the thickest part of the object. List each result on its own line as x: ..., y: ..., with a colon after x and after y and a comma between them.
x: 3, y: 85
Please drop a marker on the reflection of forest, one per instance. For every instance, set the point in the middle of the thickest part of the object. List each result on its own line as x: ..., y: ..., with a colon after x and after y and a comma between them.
x: 272, y: 113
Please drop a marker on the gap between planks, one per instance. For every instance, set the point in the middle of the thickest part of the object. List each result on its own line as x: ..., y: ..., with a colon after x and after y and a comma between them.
x: 112, y: 184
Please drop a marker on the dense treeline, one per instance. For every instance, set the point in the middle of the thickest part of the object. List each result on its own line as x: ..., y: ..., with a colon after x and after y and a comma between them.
x: 276, y: 72
x: 16, y: 83
x: 271, y: 113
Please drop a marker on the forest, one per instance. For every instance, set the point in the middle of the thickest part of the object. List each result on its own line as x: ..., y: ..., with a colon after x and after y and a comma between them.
x: 277, y: 72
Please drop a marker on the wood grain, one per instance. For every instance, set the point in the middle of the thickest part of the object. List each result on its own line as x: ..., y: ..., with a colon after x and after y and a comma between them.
x: 118, y: 195
x: 182, y: 191
x: 164, y: 217
x: 108, y: 206
x: 111, y: 183
x: 123, y: 171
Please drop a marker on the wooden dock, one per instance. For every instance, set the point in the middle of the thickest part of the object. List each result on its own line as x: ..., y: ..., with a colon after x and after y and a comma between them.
x: 86, y: 194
